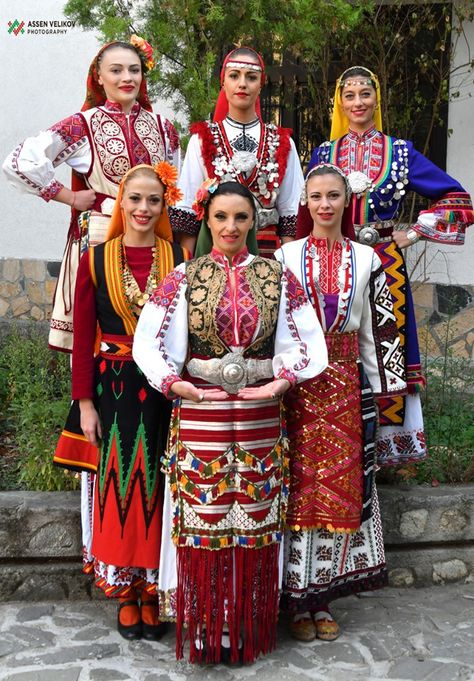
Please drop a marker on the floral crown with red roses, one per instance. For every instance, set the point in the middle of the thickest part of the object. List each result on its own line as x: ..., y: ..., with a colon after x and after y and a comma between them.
x: 203, y: 195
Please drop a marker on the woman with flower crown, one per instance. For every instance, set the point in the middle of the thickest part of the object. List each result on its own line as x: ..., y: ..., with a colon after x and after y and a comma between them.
x: 382, y: 170
x: 225, y: 336
x: 115, y: 130
x: 334, y: 544
x: 118, y: 424
x: 239, y: 146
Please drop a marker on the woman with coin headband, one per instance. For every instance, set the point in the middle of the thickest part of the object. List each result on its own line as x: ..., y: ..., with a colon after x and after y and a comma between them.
x: 238, y: 145
x: 226, y: 335
x: 117, y: 425
x: 382, y: 170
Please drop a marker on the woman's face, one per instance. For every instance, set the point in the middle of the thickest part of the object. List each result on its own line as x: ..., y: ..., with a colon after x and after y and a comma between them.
x: 120, y: 74
x: 230, y: 219
x: 142, y: 205
x: 242, y: 86
x: 326, y: 202
x: 358, y: 104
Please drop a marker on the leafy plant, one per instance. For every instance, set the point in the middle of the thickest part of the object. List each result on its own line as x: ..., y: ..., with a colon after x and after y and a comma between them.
x: 35, y: 394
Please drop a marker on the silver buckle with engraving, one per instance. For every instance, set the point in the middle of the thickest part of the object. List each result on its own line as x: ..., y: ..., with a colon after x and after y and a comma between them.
x: 233, y: 372
x: 368, y: 235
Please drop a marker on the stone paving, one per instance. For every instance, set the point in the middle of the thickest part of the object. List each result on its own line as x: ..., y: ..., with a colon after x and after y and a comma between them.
x: 398, y: 634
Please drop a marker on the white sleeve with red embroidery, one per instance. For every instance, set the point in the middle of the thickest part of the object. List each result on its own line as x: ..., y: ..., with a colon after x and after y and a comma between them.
x: 300, y: 347
x: 160, y: 343
x: 31, y: 166
x: 193, y: 174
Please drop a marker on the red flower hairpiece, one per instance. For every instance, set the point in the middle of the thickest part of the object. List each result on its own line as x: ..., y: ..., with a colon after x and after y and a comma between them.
x: 145, y: 50
x: 203, y: 195
x: 168, y: 175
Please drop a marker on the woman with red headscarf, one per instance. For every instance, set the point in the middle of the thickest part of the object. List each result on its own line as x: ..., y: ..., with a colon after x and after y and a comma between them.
x: 239, y: 146
x: 115, y: 130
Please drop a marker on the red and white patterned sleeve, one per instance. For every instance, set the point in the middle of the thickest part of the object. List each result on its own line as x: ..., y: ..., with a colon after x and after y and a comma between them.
x: 31, y: 165
x: 300, y: 347
x: 160, y: 344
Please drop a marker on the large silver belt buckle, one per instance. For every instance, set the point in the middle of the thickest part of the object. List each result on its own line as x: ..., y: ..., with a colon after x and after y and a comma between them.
x: 233, y: 372
x: 368, y: 235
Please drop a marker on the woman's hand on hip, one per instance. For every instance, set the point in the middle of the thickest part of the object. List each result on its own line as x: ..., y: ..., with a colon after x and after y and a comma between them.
x: 268, y: 391
x: 189, y: 391
x: 90, y: 422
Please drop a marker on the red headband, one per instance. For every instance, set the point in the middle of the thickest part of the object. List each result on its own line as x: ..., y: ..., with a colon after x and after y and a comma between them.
x: 222, y: 105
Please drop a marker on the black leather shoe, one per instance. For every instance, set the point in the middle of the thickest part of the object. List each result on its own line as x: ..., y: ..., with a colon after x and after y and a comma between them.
x: 132, y: 632
x: 153, y: 632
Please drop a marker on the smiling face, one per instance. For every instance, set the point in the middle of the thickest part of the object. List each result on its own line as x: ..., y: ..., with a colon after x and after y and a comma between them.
x: 142, y: 205
x: 358, y: 104
x: 120, y: 74
x: 242, y: 87
x: 230, y: 218
x: 326, y: 203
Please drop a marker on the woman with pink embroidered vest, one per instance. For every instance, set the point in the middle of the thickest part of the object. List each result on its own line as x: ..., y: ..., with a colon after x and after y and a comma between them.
x: 115, y: 130
x: 334, y: 543
x: 239, y: 146
x: 382, y: 171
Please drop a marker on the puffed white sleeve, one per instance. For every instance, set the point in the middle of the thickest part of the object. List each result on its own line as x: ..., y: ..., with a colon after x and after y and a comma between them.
x: 160, y: 343
x: 31, y: 166
x: 300, y: 347
x: 288, y: 198
x: 379, y: 342
x: 193, y: 173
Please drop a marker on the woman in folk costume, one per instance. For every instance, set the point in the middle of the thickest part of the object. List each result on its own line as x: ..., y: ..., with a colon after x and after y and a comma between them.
x: 118, y: 424
x: 115, y: 130
x: 227, y: 334
x: 382, y: 170
x: 334, y: 544
x: 239, y: 146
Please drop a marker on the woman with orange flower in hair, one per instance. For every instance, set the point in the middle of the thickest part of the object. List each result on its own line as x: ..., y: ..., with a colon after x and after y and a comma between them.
x: 239, y: 146
x: 115, y: 130
x: 118, y: 424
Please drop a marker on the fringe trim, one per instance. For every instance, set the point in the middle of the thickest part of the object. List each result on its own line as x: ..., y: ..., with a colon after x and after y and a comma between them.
x: 235, y: 587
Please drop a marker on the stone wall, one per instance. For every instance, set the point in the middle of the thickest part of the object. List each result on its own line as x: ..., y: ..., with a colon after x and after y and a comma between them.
x: 445, y: 314
x: 429, y: 538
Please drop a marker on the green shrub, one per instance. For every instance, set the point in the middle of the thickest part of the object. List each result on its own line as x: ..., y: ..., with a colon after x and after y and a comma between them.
x: 35, y: 393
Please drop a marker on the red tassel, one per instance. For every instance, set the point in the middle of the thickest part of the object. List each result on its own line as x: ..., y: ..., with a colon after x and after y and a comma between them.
x: 206, y: 601
x: 208, y: 147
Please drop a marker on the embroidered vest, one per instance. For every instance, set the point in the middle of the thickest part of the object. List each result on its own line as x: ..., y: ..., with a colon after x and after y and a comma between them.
x: 119, y: 142
x: 206, y: 284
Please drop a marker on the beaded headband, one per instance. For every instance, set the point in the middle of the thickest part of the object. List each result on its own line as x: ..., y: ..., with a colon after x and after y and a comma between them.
x: 250, y: 66
x: 351, y: 83
x: 357, y: 79
x: 336, y: 170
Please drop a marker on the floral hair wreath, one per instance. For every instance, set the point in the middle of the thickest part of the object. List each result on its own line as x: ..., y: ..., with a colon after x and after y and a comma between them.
x: 145, y: 50
x: 203, y: 195
x: 168, y: 175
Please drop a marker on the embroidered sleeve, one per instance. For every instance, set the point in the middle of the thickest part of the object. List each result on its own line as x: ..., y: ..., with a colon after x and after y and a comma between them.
x: 161, y: 339
x: 300, y: 348
x: 451, y: 213
x: 31, y: 166
x: 173, y: 149
x: 288, y: 198
x: 379, y: 342
x: 193, y: 173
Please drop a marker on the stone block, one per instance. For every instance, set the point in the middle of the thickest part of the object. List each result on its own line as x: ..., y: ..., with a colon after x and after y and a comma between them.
x: 413, y: 523
x: 35, y: 292
x: 453, y: 520
x: 450, y: 571
x: 401, y: 577
x: 37, y: 313
x: 68, y: 674
x: 9, y: 290
x: 34, y: 269
x: 420, y: 560
x: 10, y: 269
x: 423, y: 296
x: 36, y: 581
x: 4, y: 305
x: 49, y: 288
x: 20, y: 306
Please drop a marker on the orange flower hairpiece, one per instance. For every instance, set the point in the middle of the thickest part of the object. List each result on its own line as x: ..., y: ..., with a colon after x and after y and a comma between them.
x: 145, y: 50
x: 203, y: 195
x: 168, y: 175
